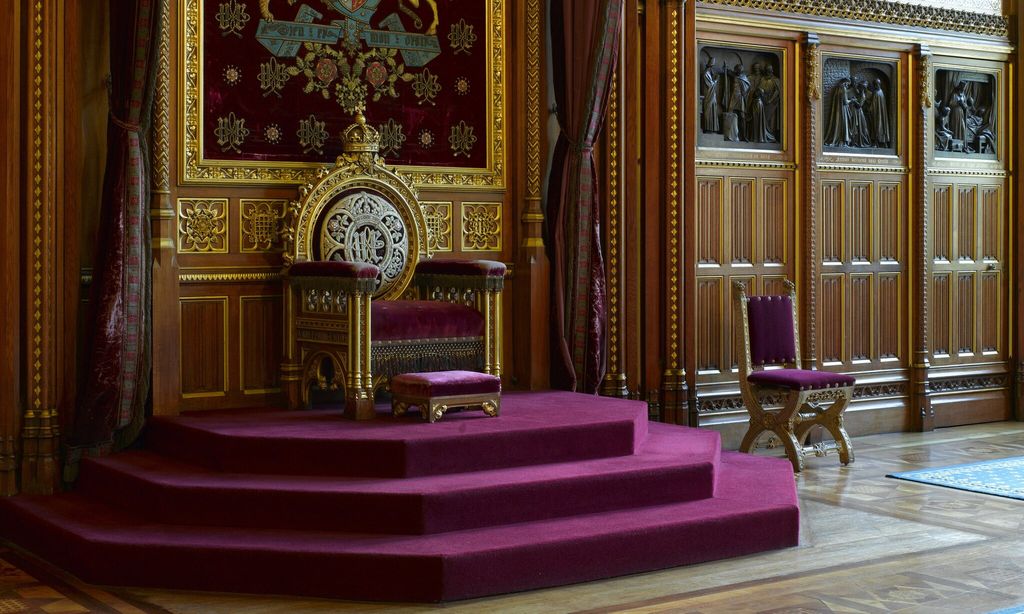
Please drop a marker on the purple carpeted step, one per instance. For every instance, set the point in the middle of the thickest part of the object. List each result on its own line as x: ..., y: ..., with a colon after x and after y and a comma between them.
x: 755, y: 509
x: 675, y: 464
x: 533, y: 429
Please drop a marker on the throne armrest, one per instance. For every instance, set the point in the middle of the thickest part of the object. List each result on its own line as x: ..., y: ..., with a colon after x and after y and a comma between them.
x: 352, y: 276
x: 469, y: 274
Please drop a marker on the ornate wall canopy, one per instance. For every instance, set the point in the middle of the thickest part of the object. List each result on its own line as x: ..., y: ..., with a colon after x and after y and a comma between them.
x: 896, y: 13
x: 266, y: 86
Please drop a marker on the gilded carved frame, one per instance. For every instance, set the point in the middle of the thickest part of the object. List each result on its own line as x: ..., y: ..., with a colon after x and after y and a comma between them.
x: 197, y: 170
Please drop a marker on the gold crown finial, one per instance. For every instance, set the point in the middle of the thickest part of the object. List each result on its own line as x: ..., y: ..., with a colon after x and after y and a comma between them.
x: 360, y: 137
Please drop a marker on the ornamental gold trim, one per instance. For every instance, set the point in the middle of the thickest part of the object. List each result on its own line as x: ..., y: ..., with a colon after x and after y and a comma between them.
x: 481, y: 227
x: 439, y: 225
x: 894, y: 13
x: 222, y: 277
x: 197, y: 170
x: 261, y: 221
x: 203, y: 225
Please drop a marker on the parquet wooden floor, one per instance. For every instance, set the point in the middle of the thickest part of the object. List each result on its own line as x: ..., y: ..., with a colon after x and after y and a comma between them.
x: 868, y: 544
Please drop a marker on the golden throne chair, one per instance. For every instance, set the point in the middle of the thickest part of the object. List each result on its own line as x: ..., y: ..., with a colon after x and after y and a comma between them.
x: 767, y: 333
x: 363, y: 300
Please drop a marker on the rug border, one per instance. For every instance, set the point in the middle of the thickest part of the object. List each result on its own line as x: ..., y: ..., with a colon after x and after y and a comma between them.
x: 913, y: 476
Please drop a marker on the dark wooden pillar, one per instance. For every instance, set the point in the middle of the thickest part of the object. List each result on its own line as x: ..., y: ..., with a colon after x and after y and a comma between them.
x: 10, y: 246
x: 531, y: 286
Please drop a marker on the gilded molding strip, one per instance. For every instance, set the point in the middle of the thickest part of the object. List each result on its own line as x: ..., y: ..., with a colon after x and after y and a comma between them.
x: 965, y: 172
x: 196, y: 170
x: 766, y: 164
x: 675, y: 189
x: 533, y: 119
x: 35, y: 392
x: 810, y: 357
x: 895, y: 13
x: 864, y: 168
x: 229, y: 277
x: 162, y: 107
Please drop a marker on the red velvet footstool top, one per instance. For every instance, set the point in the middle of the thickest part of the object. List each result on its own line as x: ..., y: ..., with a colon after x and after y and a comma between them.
x: 444, y: 384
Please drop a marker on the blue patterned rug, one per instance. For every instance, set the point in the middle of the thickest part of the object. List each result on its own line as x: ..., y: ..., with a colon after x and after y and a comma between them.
x: 1003, y: 477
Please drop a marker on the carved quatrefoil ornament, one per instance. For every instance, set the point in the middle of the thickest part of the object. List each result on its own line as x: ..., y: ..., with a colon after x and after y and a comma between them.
x: 365, y: 227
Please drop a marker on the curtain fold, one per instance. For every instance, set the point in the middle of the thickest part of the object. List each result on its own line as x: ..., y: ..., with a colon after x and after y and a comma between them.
x: 112, y: 404
x: 585, y: 46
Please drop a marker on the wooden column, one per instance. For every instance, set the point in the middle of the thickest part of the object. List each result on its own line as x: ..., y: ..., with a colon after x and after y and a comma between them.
x: 614, y: 383
x: 809, y: 294
x: 44, y: 157
x: 924, y: 415
x: 10, y: 247
x: 531, y: 287
x: 631, y: 104
x: 673, y: 377
x: 163, y: 225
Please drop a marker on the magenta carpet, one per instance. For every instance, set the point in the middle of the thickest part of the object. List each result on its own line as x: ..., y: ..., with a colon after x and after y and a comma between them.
x: 560, y: 488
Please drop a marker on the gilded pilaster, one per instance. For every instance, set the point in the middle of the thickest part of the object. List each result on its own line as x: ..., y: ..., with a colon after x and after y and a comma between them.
x: 40, y: 428
x: 673, y: 380
x: 812, y: 61
x: 922, y: 153
x: 614, y: 383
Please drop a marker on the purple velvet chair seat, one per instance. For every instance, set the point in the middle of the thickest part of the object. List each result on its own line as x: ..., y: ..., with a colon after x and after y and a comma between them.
x: 444, y: 384
x: 800, y: 379
x: 439, y: 266
x: 409, y: 320
x: 334, y: 268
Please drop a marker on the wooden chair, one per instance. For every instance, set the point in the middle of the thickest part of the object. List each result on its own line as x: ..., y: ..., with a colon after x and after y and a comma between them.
x: 767, y: 333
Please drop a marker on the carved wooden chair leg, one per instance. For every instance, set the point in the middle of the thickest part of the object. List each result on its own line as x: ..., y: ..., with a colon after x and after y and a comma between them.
x: 755, y: 426
x: 784, y: 427
x: 832, y: 420
x: 398, y: 408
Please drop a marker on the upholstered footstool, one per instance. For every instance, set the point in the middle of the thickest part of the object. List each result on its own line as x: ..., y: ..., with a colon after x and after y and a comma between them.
x: 437, y: 392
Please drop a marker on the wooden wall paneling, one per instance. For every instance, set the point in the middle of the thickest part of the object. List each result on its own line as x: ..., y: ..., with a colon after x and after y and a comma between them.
x: 258, y: 352
x: 163, y: 223
x: 204, y: 341
x: 1015, y: 238
x: 530, y: 291
x: 862, y: 316
x: 10, y: 247
x: 832, y: 319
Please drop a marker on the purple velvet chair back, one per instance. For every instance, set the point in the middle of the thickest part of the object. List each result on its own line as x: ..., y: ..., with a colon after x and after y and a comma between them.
x: 772, y: 337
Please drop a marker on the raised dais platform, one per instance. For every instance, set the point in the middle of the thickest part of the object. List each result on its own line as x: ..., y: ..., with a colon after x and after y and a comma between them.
x: 560, y: 488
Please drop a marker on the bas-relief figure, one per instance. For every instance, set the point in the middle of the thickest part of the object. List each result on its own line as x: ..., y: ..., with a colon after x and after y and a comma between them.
x: 964, y: 113
x: 740, y: 107
x: 859, y: 117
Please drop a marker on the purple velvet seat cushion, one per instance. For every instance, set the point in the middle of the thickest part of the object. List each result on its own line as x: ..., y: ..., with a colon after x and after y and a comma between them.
x: 436, y: 266
x: 334, y: 268
x: 800, y: 379
x: 770, y: 320
x: 444, y: 384
x: 403, y: 320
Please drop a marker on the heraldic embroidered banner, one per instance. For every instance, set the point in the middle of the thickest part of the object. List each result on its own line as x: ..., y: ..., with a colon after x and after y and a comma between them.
x: 280, y: 79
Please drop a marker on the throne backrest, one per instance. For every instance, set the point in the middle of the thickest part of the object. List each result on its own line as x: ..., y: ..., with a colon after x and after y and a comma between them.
x: 360, y: 211
x: 768, y: 328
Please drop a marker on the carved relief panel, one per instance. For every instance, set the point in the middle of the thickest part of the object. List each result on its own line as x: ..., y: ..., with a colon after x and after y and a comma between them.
x: 858, y: 107
x: 741, y: 98
x: 966, y: 114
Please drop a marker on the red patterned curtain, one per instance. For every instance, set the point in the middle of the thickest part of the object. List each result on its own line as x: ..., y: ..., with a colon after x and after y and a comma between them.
x: 585, y: 48
x: 111, y: 407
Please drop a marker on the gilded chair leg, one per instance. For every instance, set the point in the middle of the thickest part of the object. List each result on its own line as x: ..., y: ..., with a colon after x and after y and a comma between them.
x: 832, y: 420
x: 794, y: 451
x: 754, y: 429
